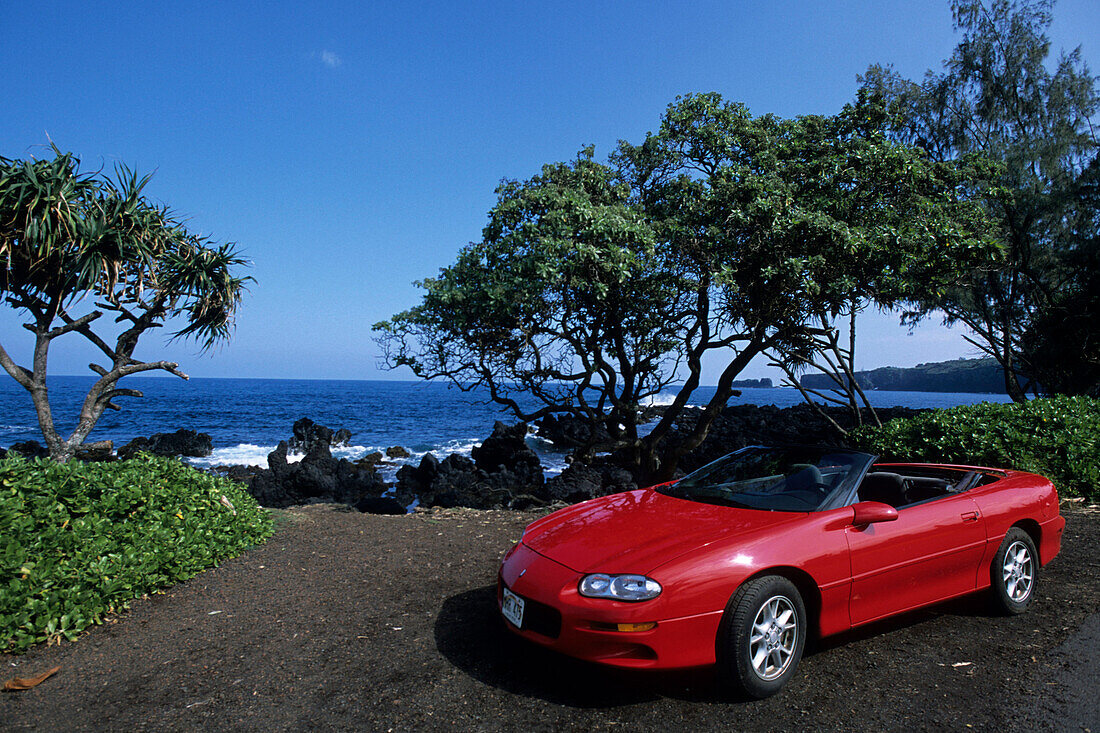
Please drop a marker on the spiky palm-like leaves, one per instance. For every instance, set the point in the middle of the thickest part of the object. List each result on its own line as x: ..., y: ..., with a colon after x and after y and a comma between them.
x: 69, y: 238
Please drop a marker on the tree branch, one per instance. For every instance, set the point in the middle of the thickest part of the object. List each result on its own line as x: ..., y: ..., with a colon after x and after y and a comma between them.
x: 73, y: 325
x: 22, y: 375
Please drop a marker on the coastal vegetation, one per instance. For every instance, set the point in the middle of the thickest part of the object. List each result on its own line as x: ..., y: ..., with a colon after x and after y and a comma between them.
x: 720, y: 236
x: 81, y: 540
x: 1002, y: 95
x: 1057, y: 437
x: 75, y: 246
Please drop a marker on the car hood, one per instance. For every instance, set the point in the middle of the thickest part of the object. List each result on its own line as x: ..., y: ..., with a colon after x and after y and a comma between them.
x: 636, y: 531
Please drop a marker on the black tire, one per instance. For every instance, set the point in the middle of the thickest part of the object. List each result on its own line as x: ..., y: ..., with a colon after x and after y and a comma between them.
x: 741, y: 643
x: 1014, y: 573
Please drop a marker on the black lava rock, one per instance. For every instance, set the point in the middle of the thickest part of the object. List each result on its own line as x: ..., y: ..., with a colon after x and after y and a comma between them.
x: 183, y: 442
x: 506, y: 450
x: 30, y: 449
x: 742, y: 425
x: 308, y: 434
x: 580, y: 482
x: 566, y: 431
x: 503, y: 473
x: 317, y: 478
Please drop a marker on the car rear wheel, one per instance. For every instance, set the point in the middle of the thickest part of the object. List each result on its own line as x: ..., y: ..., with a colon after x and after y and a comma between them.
x: 762, y: 636
x: 1013, y: 573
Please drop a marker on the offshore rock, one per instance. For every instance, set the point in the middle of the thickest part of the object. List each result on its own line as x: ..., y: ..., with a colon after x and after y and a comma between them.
x: 183, y: 442
x: 308, y: 434
x: 371, y: 459
x: 397, y: 451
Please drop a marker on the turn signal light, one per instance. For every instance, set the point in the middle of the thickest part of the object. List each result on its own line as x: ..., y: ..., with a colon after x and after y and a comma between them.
x: 624, y: 627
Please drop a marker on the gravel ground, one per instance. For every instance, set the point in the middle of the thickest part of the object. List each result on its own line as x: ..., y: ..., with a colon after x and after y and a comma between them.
x: 361, y: 622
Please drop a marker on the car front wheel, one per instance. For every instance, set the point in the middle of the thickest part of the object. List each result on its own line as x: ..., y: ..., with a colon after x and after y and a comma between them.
x: 1013, y: 573
x: 763, y: 634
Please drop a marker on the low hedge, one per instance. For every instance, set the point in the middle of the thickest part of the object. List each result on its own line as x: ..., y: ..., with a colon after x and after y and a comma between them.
x: 81, y: 540
x: 1058, y: 437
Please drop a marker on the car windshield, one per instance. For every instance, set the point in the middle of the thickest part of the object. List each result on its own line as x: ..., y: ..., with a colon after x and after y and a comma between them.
x: 792, y: 479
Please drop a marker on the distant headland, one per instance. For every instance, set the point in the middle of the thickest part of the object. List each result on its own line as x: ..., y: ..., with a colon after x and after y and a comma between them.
x: 959, y: 375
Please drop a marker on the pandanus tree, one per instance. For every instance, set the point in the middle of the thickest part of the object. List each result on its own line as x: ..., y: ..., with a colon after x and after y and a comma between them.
x: 76, y: 246
x: 720, y: 236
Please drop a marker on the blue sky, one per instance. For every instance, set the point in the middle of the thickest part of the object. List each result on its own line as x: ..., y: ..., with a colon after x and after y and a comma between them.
x: 352, y: 148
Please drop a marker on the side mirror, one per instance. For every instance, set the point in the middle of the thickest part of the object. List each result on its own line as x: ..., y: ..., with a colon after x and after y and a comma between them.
x: 872, y: 512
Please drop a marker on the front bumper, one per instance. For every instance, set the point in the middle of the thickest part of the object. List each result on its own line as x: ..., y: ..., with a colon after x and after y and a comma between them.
x: 556, y: 615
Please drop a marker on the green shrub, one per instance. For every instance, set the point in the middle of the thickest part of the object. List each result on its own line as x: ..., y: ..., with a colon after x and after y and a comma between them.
x: 80, y: 540
x: 1058, y: 437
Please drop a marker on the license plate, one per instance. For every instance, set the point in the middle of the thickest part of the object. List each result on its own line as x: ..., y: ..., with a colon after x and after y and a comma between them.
x: 512, y: 608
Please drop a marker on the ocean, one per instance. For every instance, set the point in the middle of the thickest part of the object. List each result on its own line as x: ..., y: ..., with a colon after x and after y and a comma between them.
x: 246, y: 418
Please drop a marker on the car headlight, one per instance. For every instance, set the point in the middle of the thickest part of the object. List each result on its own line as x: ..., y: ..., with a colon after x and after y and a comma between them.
x: 619, y: 587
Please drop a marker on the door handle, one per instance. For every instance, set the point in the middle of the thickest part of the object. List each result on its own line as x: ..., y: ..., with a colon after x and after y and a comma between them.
x: 970, y: 516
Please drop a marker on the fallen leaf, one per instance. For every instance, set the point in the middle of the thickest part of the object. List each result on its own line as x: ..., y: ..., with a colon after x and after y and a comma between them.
x: 25, y: 683
x: 962, y: 664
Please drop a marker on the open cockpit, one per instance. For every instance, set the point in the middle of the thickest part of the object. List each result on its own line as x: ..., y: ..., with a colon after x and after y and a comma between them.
x: 901, y: 485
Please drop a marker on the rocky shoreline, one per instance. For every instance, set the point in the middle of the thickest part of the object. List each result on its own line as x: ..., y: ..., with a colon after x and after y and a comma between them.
x: 502, y: 472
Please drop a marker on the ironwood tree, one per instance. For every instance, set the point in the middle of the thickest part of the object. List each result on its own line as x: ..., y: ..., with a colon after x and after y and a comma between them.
x: 1002, y: 95
x: 595, y: 286
x: 75, y: 246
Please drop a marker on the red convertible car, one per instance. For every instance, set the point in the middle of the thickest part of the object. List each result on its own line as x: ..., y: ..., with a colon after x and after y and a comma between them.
x: 739, y: 562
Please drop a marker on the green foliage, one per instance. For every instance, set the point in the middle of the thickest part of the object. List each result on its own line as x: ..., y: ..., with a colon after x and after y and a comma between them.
x: 81, y: 540
x: 70, y: 239
x: 1058, y: 437
x: 65, y: 235
x: 1062, y: 342
x: 1002, y: 96
x: 568, y: 269
x: 595, y: 285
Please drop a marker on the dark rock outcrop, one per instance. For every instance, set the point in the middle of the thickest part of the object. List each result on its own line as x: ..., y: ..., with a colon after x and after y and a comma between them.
x: 741, y: 425
x: 30, y: 449
x: 371, y: 459
x: 397, y: 451
x: 566, y: 431
x: 503, y: 473
x: 183, y: 442
x: 308, y: 434
x: 506, y: 450
x: 317, y: 478
x: 580, y: 482
x: 240, y: 474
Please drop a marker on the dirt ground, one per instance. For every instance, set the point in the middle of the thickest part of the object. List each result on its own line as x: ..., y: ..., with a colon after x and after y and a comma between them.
x: 346, y: 621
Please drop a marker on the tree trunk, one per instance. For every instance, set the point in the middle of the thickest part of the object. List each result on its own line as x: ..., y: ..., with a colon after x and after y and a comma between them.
x: 658, y: 464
